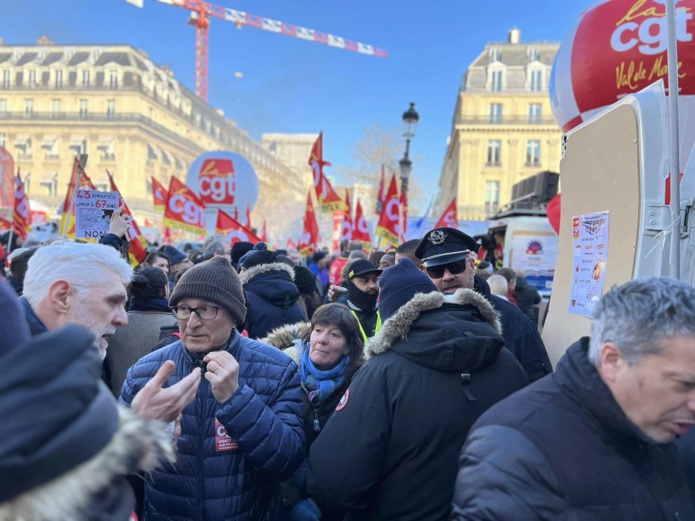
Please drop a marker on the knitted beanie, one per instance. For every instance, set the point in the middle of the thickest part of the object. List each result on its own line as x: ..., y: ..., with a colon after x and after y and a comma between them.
x: 305, y: 280
x: 399, y: 284
x: 238, y: 250
x: 257, y: 258
x: 215, y: 281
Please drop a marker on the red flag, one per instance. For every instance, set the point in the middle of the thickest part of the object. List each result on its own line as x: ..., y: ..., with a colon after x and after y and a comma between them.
x: 403, y: 220
x: 388, y: 226
x: 553, y: 210
x: 360, y: 232
x: 449, y: 218
x: 6, y: 179
x: 160, y: 196
x: 184, y: 209
x: 67, y: 203
x: 85, y: 183
x: 264, y: 232
x: 290, y: 245
x: 380, y: 194
x: 21, y: 224
x: 232, y: 229
x: 310, y: 234
x: 6, y: 224
x: 248, y: 216
x: 138, y: 244
x: 328, y: 199
x: 347, y: 224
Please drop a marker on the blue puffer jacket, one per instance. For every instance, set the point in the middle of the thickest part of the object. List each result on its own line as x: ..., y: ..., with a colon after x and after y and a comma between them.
x: 217, y: 478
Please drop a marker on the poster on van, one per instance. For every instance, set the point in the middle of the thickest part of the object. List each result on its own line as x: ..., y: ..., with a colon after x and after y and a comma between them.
x: 535, y: 253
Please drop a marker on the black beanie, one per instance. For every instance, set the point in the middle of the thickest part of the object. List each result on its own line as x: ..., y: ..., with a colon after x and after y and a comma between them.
x: 215, y: 281
x: 257, y: 258
x: 305, y: 280
x: 238, y: 250
x: 399, y: 284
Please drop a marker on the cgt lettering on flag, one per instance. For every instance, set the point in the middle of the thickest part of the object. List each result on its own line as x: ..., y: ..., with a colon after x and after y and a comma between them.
x: 217, y: 181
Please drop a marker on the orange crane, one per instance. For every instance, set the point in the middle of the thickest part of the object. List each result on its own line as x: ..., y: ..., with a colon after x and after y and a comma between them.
x: 202, y: 11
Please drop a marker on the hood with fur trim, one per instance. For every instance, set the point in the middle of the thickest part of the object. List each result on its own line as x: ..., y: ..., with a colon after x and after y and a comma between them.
x: 137, y: 445
x: 459, y: 332
x: 284, y: 338
x: 246, y: 275
x: 273, y: 283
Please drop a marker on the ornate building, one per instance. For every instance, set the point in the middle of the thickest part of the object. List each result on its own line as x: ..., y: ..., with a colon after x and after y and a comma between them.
x: 503, y: 130
x: 132, y: 118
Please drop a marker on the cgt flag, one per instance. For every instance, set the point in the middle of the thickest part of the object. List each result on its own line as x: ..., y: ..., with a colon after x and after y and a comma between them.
x: 159, y: 193
x: 360, y: 231
x: 449, y: 218
x: 310, y: 233
x: 138, y: 244
x: 184, y: 210
x: 232, y: 229
x: 327, y: 197
x: 388, y: 227
x: 347, y: 224
x: 21, y: 223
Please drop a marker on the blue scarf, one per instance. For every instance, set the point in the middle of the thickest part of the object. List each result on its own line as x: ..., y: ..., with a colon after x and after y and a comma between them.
x: 319, y: 385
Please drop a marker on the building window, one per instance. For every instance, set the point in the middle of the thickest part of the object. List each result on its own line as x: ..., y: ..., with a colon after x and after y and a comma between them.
x: 55, y: 108
x: 85, y: 78
x: 113, y: 79
x: 495, y: 55
x: 533, y: 152
x: 6, y: 75
x: 492, y: 196
x: 28, y: 106
x: 533, y: 54
x: 83, y: 108
x: 110, y: 108
x: 536, y: 81
x: 59, y: 79
x: 51, y: 143
x: 23, y: 143
x: 496, y: 83
x: 32, y: 78
x: 3, y: 105
x: 534, y: 113
x: 495, y: 113
x: 494, y: 148
x: 78, y: 145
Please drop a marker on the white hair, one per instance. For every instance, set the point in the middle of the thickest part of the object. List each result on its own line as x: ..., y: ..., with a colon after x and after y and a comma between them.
x: 498, y: 285
x: 82, y: 265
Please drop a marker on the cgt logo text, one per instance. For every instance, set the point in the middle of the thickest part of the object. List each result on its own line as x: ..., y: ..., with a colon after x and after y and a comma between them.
x: 217, y: 182
x: 190, y: 212
x: 645, y: 28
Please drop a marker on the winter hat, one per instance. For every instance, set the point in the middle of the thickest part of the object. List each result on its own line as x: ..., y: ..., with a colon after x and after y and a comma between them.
x: 238, y: 250
x: 215, y: 281
x: 305, y: 280
x: 399, y: 284
x: 175, y: 256
x: 14, y: 329
x: 257, y: 257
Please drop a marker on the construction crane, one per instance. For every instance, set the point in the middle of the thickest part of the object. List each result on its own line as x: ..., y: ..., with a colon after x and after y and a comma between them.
x: 202, y: 12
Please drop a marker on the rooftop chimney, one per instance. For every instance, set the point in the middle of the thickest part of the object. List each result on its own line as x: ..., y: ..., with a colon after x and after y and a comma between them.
x: 514, y: 35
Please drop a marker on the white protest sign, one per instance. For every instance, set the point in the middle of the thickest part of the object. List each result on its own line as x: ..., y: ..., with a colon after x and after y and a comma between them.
x: 93, y: 212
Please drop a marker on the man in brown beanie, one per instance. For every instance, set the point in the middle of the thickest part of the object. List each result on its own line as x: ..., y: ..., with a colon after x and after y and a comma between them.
x: 243, y: 432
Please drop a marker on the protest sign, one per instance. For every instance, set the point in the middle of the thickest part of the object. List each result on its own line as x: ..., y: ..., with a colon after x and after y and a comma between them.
x: 93, y: 213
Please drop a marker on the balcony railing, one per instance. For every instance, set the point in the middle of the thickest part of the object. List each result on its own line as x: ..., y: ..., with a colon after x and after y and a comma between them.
x: 506, y: 120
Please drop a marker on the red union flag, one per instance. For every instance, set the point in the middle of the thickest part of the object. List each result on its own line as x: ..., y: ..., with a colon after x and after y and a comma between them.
x: 360, y: 232
x: 184, y: 210
x: 217, y: 182
x: 6, y: 179
x: 5, y: 224
x: 448, y: 218
x: 347, y: 223
x: 310, y: 232
x: 138, y: 244
x: 21, y: 223
x: 159, y: 193
x: 388, y: 226
x: 232, y: 229
x: 327, y: 197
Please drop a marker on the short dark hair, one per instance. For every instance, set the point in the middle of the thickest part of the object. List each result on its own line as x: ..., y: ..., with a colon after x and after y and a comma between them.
x: 20, y: 262
x: 507, y: 273
x: 148, y: 283
x: 407, y: 249
x: 152, y: 258
x: 339, y: 315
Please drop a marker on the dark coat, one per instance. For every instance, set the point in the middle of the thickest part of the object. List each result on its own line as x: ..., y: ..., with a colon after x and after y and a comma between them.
x: 562, y: 449
x: 527, y: 297
x: 271, y: 298
x: 389, y: 451
x: 520, y: 334
x: 213, y: 479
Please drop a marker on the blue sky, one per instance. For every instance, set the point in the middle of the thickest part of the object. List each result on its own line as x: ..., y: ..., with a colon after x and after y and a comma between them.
x: 290, y: 85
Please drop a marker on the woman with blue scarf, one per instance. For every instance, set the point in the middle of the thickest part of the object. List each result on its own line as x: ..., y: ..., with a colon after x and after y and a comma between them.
x: 328, y: 352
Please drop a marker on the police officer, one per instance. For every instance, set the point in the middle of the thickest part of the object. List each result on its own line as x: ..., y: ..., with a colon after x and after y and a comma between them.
x: 446, y: 259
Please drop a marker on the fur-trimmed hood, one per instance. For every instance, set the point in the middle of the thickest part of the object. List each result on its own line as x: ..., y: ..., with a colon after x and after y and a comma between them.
x: 458, y: 332
x: 137, y: 445
x: 246, y: 275
x: 285, y: 337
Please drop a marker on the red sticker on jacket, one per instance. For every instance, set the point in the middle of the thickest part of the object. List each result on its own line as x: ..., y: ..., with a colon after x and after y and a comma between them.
x: 223, y: 441
x: 343, y: 401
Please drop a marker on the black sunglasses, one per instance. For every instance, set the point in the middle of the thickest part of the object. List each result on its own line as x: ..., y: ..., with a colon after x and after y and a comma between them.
x: 456, y: 267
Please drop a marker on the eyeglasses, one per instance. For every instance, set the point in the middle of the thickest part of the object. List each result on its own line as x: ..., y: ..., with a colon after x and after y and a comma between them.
x: 203, y: 312
x: 437, y: 272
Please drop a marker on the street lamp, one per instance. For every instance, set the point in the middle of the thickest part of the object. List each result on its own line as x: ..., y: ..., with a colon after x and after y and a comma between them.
x: 410, y: 121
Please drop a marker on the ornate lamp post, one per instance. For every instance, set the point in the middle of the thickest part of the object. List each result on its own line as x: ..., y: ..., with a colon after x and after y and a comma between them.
x: 410, y: 121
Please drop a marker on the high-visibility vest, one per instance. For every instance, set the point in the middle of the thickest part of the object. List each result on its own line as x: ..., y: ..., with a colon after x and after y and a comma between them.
x: 376, y: 329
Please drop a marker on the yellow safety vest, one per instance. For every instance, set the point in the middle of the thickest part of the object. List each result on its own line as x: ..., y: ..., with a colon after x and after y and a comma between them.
x: 376, y: 329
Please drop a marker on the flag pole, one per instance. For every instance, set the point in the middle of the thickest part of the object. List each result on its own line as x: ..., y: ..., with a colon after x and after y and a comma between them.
x: 81, y: 163
x: 674, y: 162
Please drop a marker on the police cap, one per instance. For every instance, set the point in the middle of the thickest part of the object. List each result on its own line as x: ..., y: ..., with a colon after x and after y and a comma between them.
x: 444, y: 245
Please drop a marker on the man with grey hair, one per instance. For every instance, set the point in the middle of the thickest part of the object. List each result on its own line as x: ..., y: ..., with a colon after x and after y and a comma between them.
x: 218, y: 248
x: 595, y: 439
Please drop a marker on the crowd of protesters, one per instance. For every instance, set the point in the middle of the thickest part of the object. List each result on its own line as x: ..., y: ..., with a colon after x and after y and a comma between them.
x: 238, y: 382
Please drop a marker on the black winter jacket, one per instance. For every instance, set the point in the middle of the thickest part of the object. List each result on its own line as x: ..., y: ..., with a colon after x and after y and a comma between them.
x: 271, y: 298
x: 562, y: 449
x: 520, y: 334
x: 389, y: 451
